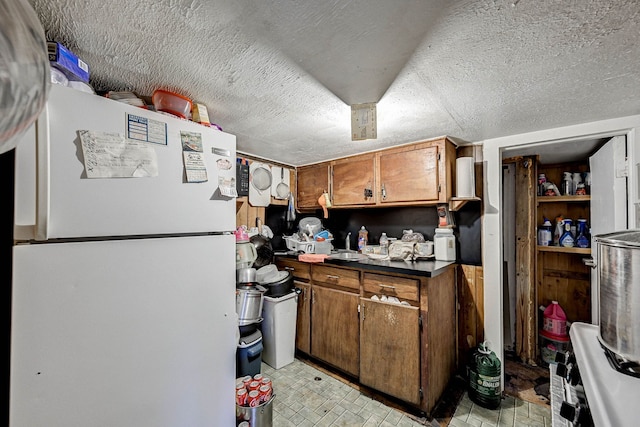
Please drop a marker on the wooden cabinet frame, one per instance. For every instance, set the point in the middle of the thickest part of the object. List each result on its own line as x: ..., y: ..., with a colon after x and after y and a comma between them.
x: 352, y: 332
x: 421, y: 173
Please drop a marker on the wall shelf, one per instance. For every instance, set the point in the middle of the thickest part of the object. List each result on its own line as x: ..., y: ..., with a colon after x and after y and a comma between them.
x: 560, y: 249
x: 455, y: 203
x: 548, y: 199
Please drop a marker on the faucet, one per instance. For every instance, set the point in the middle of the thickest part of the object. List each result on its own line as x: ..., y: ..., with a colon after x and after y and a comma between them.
x: 347, y: 241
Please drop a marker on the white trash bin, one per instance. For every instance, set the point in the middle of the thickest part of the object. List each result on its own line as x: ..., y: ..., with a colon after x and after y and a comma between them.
x: 279, y: 329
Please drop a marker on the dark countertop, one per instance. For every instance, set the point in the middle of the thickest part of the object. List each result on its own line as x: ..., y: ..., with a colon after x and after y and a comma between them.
x: 424, y: 268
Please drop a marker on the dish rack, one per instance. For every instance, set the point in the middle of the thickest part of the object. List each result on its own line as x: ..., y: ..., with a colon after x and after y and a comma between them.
x: 308, y: 247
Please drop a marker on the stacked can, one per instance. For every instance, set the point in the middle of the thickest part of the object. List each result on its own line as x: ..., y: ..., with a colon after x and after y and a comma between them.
x: 253, y: 391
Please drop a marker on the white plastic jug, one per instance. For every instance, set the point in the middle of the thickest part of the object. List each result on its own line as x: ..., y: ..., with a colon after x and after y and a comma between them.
x: 445, y: 244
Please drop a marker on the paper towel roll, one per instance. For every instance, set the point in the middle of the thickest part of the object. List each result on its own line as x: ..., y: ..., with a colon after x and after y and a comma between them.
x: 465, y: 177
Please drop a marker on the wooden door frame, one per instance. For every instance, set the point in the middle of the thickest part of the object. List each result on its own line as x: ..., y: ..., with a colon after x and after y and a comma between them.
x: 526, y: 184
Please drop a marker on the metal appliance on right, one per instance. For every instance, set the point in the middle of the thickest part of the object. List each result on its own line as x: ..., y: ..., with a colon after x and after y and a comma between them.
x: 618, y: 270
x: 598, y: 382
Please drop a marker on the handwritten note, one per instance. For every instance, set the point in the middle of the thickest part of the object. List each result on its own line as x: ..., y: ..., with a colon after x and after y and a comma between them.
x: 110, y: 155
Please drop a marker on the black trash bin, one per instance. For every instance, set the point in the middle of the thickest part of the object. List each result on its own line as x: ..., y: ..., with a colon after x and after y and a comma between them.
x: 249, y: 355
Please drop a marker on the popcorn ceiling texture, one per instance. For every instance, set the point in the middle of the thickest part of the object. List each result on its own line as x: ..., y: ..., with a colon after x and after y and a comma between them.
x: 281, y: 75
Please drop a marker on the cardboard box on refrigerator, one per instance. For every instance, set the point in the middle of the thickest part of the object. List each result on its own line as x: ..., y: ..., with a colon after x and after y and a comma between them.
x: 67, y: 62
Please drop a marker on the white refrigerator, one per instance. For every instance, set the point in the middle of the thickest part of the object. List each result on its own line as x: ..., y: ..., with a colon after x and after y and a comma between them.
x: 123, y: 293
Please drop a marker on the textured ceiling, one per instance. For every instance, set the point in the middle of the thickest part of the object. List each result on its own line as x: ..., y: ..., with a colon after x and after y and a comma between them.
x: 281, y: 74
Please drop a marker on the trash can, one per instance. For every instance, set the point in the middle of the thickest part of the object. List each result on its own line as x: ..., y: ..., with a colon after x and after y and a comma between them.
x: 279, y: 329
x: 248, y: 355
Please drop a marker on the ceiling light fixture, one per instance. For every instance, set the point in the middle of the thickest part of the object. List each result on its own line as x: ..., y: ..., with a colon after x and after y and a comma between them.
x: 363, y: 122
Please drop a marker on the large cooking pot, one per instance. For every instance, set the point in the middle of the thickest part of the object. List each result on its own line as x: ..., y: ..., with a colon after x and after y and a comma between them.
x: 249, y: 300
x: 618, y: 267
x: 282, y: 286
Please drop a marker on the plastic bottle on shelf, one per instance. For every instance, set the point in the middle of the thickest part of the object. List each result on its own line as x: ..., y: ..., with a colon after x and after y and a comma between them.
x: 582, y: 241
x: 559, y: 230
x: 555, y: 320
x: 567, y: 240
x: 384, y: 244
x: 577, y: 179
x: 545, y: 235
x: 567, y: 184
x: 363, y: 238
x: 542, y: 179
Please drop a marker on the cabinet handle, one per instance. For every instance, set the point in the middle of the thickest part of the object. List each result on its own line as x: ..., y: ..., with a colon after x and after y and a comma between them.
x: 332, y: 277
x: 289, y: 268
x: 313, y: 296
x: 383, y: 193
x: 387, y: 286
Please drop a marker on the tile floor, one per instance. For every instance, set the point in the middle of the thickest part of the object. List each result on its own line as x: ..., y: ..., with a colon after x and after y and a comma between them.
x: 306, y: 396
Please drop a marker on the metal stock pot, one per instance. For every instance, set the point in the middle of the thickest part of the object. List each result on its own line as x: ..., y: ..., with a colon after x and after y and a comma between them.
x: 249, y: 300
x: 618, y: 269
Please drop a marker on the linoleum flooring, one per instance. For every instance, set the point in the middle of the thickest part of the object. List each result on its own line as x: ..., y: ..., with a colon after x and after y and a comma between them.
x: 309, y: 395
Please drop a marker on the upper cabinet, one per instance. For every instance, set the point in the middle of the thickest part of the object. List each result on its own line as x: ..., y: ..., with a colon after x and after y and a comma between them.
x: 415, y: 174
x: 312, y: 181
x: 411, y: 174
x: 353, y: 181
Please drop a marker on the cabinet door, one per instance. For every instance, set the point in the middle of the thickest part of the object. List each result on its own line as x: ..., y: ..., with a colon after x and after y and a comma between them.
x: 409, y: 176
x: 390, y: 349
x: 303, y: 324
x: 335, y: 329
x: 312, y: 181
x: 353, y: 181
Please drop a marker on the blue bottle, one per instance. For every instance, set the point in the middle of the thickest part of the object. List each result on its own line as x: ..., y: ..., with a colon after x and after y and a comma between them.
x: 567, y: 240
x: 582, y: 241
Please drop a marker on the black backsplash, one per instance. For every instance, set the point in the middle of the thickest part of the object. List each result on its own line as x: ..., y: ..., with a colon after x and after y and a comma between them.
x: 389, y: 220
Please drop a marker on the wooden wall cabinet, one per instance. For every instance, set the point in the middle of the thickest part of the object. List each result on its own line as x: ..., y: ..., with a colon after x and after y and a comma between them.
x: 311, y: 182
x: 353, y: 181
x: 412, y: 174
x: 416, y: 174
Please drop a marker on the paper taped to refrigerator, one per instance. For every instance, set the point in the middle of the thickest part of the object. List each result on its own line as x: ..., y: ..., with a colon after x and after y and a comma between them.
x: 194, y: 166
x: 110, y: 155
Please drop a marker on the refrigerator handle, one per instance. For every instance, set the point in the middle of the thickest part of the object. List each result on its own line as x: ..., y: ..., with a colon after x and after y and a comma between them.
x: 43, y: 175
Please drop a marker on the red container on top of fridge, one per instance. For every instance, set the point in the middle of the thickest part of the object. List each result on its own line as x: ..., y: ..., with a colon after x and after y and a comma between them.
x: 172, y: 103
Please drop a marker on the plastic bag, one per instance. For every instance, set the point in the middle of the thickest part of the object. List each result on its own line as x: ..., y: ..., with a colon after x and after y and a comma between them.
x: 24, y: 70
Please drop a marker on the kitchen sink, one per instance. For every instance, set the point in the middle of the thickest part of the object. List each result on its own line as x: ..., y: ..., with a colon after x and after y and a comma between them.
x: 347, y: 256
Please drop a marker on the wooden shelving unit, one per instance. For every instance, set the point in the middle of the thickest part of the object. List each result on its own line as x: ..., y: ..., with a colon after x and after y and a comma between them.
x: 562, y: 250
x: 549, y: 199
x: 455, y: 203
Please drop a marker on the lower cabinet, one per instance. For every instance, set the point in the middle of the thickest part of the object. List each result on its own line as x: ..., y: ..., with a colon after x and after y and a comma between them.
x: 335, y: 329
x: 407, y: 351
x: 303, y: 319
x: 390, y: 349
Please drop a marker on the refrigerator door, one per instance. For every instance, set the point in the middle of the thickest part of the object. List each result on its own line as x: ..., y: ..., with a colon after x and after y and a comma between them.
x: 136, y: 332
x: 55, y: 195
